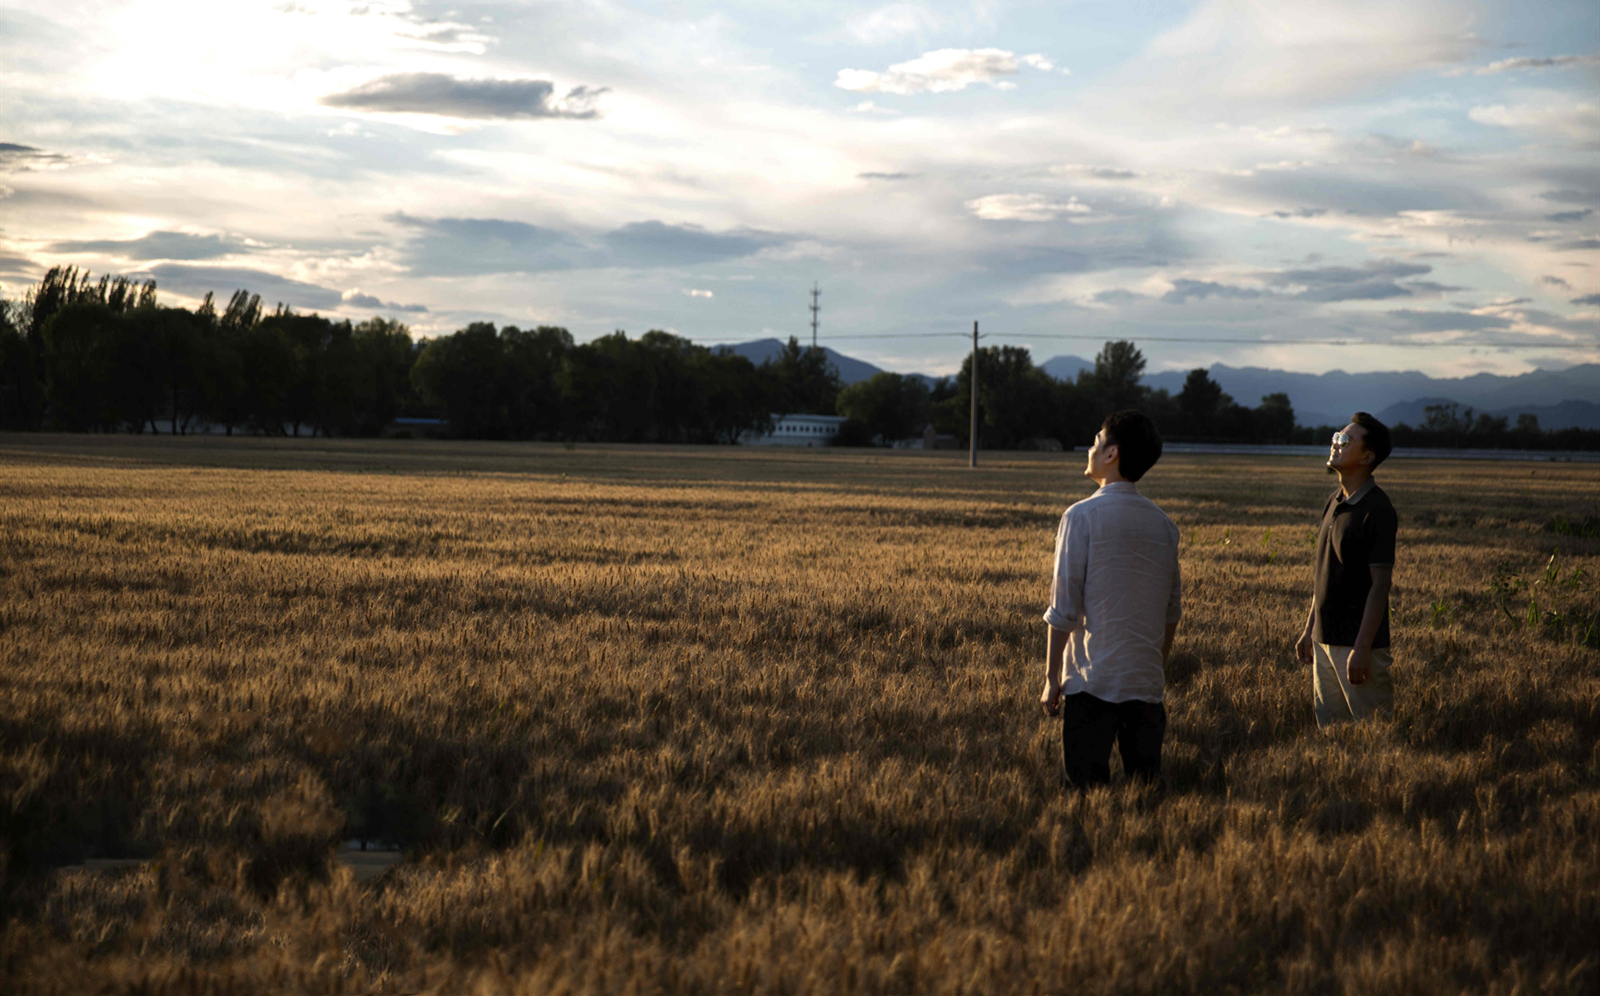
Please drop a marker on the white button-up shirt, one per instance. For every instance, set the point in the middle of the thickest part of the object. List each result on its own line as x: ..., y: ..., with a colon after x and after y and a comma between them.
x: 1116, y: 589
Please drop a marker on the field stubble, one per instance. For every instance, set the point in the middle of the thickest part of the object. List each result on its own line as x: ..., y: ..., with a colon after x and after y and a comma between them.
x: 703, y: 720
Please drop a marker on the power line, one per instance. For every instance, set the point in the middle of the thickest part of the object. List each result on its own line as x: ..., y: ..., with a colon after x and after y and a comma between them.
x: 1228, y: 340
x: 1318, y: 342
x: 902, y: 335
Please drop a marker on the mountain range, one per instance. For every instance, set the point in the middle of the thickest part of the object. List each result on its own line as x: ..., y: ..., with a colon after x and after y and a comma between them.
x: 1560, y: 398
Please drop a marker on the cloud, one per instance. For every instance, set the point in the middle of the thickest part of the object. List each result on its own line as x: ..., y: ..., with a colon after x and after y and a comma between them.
x: 1569, y: 216
x: 402, y: 21
x: 1449, y: 321
x: 1571, y: 196
x: 1563, y: 116
x: 1024, y: 207
x: 1547, y: 62
x: 886, y: 176
x: 16, y: 158
x: 159, y: 245
x: 1117, y: 295
x: 1577, y: 244
x: 461, y: 246
x: 893, y: 21
x: 655, y: 243
x: 1412, y: 196
x: 356, y: 299
x: 1031, y: 261
x: 697, y: 292
x: 1301, y: 50
x: 1183, y: 289
x: 1431, y: 287
x: 1374, y: 290
x: 1587, y: 299
x: 868, y: 107
x: 1304, y: 212
x: 1550, y: 281
x: 18, y: 266
x: 437, y: 93
x: 1372, y: 282
x: 195, y: 281
x: 1094, y: 172
x: 943, y: 71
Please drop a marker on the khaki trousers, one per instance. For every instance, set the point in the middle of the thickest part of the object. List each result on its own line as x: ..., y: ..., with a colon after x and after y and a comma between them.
x: 1336, y: 700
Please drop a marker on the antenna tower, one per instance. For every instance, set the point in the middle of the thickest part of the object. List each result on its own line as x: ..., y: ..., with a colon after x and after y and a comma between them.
x: 814, y: 309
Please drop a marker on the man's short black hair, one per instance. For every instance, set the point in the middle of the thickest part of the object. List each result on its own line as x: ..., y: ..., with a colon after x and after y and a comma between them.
x: 1377, y: 442
x: 1138, y: 443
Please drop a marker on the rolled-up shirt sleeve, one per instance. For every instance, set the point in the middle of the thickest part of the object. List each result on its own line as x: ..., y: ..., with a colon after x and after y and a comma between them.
x: 1175, y: 597
x: 1066, y: 588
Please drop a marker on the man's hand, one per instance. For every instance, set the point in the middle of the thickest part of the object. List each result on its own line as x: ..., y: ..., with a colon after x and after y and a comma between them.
x: 1054, y: 663
x: 1302, y: 647
x: 1359, y: 665
x: 1051, y: 697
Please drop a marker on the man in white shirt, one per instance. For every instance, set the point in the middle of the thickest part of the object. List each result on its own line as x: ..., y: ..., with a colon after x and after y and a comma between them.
x: 1114, y: 609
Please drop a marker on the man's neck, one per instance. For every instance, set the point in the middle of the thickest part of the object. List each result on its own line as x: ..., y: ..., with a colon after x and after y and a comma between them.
x: 1110, y: 479
x: 1351, y: 481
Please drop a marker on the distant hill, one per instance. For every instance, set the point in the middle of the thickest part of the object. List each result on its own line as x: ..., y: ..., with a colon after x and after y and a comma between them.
x: 1328, y: 399
x: 1561, y: 398
x: 1565, y: 415
x: 850, y: 369
x: 760, y: 351
x: 1066, y: 367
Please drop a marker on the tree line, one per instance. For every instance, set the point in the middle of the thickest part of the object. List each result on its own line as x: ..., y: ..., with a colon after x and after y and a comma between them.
x: 1020, y: 405
x: 85, y: 355
x: 1450, y: 425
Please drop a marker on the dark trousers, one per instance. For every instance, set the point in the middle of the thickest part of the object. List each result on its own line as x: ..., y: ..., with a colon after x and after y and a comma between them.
x: 1089, y: 725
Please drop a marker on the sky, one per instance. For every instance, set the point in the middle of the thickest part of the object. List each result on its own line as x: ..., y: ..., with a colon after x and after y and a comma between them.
x: 1405, y: 184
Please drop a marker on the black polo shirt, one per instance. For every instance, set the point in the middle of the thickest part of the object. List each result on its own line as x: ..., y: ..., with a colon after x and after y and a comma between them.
x: 1356, y: 533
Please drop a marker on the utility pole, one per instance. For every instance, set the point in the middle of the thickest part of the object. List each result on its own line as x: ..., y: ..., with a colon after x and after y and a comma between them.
x: 972, y: 440
x: 814, y: 293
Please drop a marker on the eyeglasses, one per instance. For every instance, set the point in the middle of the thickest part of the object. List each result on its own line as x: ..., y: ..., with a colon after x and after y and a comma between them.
x: 1341, y: 439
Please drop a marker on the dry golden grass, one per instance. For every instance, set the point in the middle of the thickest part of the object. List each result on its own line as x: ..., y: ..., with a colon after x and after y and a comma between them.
x: 720, y: 721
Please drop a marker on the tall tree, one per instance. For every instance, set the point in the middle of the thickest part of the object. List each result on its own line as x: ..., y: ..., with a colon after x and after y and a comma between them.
x: 387, y: 353
x: 610, y: 384
x: 1200, y: 401
x: 803, y: 379
x: 459, y: 375
x: 1016, y: 400
x: 21, y: 389
x: 533, y: 361
x: 184, y: 364
x: 735, y: 400
x: 1275, y: 419
x: 61, y: 288
x: 101, y: 370
x: 1117, y: 370
x: 891, y: 406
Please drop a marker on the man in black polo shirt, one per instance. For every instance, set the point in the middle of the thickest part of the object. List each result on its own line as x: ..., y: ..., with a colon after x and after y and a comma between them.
x: 1346, y: 636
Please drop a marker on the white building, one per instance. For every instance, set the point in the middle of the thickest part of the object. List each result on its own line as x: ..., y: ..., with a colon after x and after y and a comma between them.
x: 796, y: 430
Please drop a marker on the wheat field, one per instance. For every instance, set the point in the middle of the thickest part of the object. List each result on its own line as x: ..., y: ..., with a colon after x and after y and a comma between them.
x: 714, y: 720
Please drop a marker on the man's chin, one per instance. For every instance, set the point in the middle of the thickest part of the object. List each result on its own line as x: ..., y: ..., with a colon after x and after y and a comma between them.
x: 1330, y: 468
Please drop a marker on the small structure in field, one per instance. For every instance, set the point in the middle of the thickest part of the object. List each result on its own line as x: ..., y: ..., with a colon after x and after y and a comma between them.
x: 929, y: 440
x: 796, y: 429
